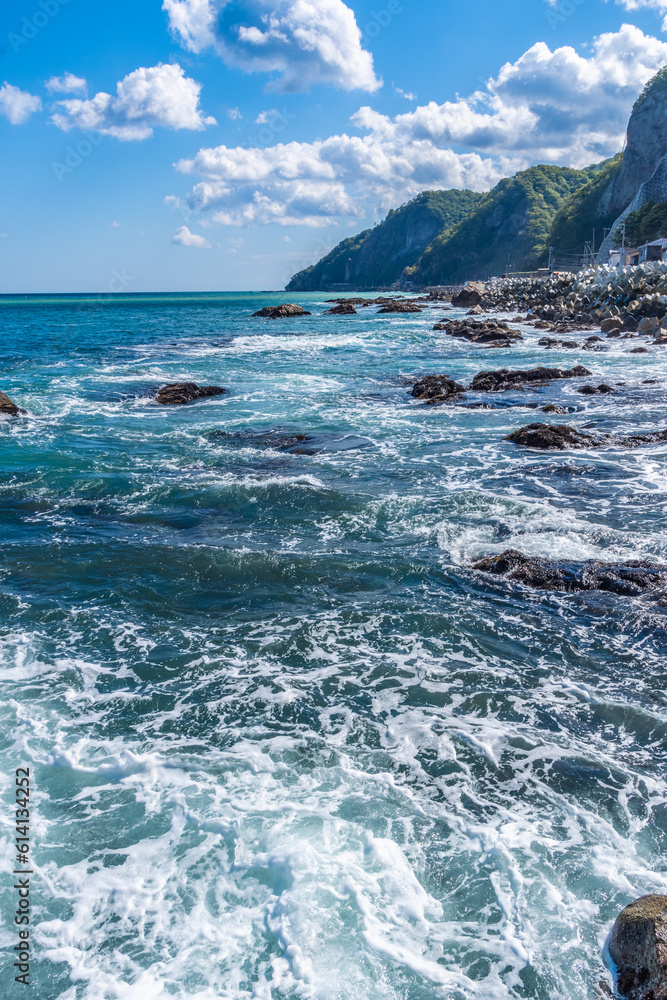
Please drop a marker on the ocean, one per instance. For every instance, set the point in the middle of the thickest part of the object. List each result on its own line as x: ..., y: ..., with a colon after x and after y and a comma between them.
x: 283, y: 742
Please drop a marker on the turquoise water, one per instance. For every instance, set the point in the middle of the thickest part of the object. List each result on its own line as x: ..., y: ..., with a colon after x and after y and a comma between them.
x: 284, y: 743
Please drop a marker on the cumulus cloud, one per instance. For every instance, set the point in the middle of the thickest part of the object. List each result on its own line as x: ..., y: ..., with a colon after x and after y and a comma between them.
x: 299, y: 42
x: 159, y: 96
x: 658, y: 5
x: 548, y: 106
x: 67, y: 84
x: 183, y: 237
x: 17, y: 105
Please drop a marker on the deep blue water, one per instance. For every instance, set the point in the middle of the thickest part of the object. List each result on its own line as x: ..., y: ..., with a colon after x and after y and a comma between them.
x: 284, y: 742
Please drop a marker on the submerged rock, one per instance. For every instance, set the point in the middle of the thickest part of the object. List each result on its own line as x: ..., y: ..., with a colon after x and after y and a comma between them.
x: 499, y: 381
x: 638, y: 948
x: 565, y: 576
x: 180, y: 393
x: 8, y: 407
x: 344, y: 309
x: 284, y: 311
x: 553, y: 437
x: 436, y: 389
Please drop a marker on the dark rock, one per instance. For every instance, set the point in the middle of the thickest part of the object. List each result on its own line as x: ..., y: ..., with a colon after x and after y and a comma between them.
x: 281, y: 312
x: 638, y: 948
x: 180, y: 393
x: 344, y: 309
x: 553, y: 437
x: 611, y: 326
x: 492, y: 331
x: 499, y: 381
x: 399, y: 307
x: 625, y: 578
x: 637, y: 440
x: 595, y: 390
x: 559, y: 437
x: 639, y: 350
x: 8, y: 407
x: 467, y: 298
x: 436, y: 389
x: 550, y: 342
x: 552, y: 408
x: 593, y: 340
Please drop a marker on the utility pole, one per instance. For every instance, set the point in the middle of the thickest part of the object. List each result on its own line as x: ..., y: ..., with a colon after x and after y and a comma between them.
x: 623, y: 243
x: 594, y: 244
x: 551, y: 259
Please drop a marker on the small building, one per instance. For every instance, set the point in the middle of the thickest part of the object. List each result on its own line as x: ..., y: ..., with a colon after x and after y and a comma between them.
x: 652, y: 251
x: 631, y: 257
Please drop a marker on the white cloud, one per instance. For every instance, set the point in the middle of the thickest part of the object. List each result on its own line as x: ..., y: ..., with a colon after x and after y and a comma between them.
x: 300, y: 42
x: 554, y: 107
x: 159, y: 96
x: 67, y: 84
x: 115, y: 225
x: 183, y: 237
x: 17, y: 105
x: 407, y: 94
x: 658, y: 5
x: 234, y: 114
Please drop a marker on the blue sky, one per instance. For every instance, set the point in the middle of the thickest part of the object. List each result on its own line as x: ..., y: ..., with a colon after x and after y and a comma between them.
x: 226, y: 144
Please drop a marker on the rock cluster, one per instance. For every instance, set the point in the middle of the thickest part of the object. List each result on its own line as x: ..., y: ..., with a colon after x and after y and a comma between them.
x: 625, y: 578
x: 553, y: 437
x: 436, y: 389
x: 503, y: 379
x: 285, y: 311
x: 559, y: 437
x: 492, y: 332
x: 180, y: 393
x: 399, y: 306
x: 8, y: 408
x: 344, y: 309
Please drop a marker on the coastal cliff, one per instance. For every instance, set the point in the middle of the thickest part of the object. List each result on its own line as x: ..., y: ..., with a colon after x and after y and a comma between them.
x: 378, y: 256
x: 445, y: 237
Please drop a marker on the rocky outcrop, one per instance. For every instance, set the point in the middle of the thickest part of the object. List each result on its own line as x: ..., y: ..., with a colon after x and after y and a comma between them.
x: 8, y: 408
x: 344, y: 309
x: 642, y: 176
x: 553, y: 437
x: 503, y: 379
x: 181, y: 393
x: 638, y: 948
x: 399, y: 306
x: 491, y: 332
x: 287, y: 310
x: 437, y: 389
x: 551, y: 343
x: 559, y: 437
x: 625, y: 578
x: 468, y: 297
x: 595, y: 390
